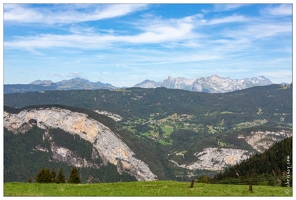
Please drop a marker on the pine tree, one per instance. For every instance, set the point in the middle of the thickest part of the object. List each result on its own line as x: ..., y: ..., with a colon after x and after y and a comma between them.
x: 53, y: 175
x: 61, y: 177
x: 43, y: 176
x: 74, y: 176
x: 47, y: 176
x: 39, y: 176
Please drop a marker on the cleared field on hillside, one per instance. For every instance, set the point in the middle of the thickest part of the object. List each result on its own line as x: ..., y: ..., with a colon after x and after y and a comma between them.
x: 151, y: 188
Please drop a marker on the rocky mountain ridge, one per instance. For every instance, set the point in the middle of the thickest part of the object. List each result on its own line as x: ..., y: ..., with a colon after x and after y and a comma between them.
x: 211, y: 84
x: 109, y: 146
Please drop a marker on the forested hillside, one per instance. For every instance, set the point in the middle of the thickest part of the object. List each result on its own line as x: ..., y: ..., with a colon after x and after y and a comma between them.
x: 227, y: 109
x: 23, y: 157
x: 180, y: 133
x: 27, y: 152
x: 273, y: 167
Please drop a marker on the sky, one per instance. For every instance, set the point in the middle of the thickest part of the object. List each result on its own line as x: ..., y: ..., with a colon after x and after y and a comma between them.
x: 125, y: 44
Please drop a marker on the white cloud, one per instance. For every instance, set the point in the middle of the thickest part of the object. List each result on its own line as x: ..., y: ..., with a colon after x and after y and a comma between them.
x: 78, y: 29
x: 159, y: 34
x: 50, y: 40
x: 67, y: 75
x: 279, y: 76
x: 160, y: 31
x: 229, y: 19
x: 20, y: 13
x: 277, y: 11
x: 59, y: 75
x: 149, y: 42
x: 23, y: 13
x: 259, y: 31
x: 75, y: 74
x: 227, y: 7
x: 117, y: 10
x: 169, y: 33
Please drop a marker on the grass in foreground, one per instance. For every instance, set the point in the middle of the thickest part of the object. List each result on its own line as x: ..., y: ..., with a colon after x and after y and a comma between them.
x: 151, y: 188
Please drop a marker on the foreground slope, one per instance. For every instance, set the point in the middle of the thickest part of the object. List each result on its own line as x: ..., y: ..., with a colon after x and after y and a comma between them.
x: 136, y: 189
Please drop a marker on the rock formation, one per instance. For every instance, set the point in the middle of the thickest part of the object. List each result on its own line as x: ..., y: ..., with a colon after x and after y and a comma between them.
x: 109, y: 146
x: 216, y: 159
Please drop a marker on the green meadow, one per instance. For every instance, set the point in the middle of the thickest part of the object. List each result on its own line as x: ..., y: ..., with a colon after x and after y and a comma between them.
x: 148, y: 188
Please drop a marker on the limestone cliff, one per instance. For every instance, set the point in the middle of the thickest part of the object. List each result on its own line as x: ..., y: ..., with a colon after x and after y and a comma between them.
x: 216, y: 158
x: 262, y: 140
x: 107, y: 143
x: 62, y: 154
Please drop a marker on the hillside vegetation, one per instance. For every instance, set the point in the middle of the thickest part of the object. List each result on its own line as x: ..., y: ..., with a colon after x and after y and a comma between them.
x: 273, y: 167
x: 226, y: 111
x: 168, y: 127
x: 23, y: 159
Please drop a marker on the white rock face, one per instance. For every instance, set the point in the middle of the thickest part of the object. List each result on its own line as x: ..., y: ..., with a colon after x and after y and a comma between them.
x: 115, y: 117
x: 217, y: 158
x: 261, y: 141
x: 109, y: 146
x: 212, y: 84
x: 65, y: 155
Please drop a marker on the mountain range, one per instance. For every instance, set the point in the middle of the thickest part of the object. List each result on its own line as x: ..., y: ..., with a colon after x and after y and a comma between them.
x: 211, y: 84
x: 45, y: 85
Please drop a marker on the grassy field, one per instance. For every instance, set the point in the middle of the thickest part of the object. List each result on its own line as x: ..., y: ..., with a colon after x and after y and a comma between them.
x: 151, y: 188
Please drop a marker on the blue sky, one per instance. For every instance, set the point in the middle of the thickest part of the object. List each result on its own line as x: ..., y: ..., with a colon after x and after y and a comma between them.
x: 124, y: 44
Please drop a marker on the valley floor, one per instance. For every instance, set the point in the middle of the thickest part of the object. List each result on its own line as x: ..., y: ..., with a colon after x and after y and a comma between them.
x: 148, y: 188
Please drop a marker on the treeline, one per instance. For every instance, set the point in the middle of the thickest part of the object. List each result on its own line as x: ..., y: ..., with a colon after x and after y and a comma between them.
x: 272, y: 167
x: 47, y: 176
x: 141, y: 102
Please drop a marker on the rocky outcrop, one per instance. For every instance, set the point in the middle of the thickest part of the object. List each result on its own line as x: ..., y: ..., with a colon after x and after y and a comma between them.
x: 113, y: 116
x: 216, y: 159
x: 262, y: 140
x: 62, y: 154
x: 108, y: 145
